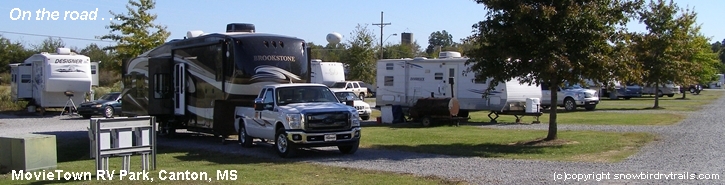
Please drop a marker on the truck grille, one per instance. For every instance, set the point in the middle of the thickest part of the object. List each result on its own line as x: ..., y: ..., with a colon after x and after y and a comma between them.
x: 327, y: 121
x: 359, y: 107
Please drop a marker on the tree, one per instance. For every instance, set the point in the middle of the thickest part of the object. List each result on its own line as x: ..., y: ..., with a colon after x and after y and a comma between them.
x: 721, y: 54
x: 668, y: 50
x: 138, y: 33
x: 49, y: 45
x: 11, y: 52
x: 98, y: 54
x: 360, y: 57
x: 705, y: 60
x: 398, y: 51
x: 553, y: 42
x: 438, y: 39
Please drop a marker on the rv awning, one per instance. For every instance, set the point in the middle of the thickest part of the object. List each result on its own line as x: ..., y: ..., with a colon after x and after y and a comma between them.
x: 76, y: 85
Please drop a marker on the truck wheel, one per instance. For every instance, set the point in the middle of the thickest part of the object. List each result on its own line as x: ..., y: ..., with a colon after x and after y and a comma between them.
x: 692, y: 90
x: 108, y: 112
x: 425, y: 121
x: 283, y: 146
x: 569, y: 104
x: 349, y: 149
x: 244, y: 139
x: 590, y: 107
x: 364, y: 118
x: 659, y: 93
x: 362, y: 96
x: 670, y: 95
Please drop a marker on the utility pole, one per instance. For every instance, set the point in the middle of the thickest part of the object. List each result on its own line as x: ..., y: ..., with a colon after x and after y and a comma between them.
x: 381, y: 24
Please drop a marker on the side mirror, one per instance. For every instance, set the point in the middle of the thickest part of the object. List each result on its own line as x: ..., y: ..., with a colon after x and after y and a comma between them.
x: 350, y: 101
x: 258, y: 105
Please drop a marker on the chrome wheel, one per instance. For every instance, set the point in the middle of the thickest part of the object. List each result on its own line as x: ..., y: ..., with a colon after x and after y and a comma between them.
x: 281, y: 143
x: 108, y: 112
x: 569, y: 104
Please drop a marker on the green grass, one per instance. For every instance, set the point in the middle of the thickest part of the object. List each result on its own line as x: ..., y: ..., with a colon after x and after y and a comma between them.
x: 73, y: 157
x: 509, y: 144
x: 690, y: 103
x: 6, y: 103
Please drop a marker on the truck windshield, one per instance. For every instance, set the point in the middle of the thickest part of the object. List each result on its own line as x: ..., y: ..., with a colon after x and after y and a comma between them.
x: 338, y: 85
x: 289, y: 95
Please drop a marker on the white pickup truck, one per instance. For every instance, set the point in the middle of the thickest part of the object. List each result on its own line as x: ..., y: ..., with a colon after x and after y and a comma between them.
x: 299, y: 115
x: 571, y: 97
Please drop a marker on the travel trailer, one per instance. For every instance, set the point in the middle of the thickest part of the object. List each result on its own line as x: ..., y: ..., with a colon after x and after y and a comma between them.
x: 403, y: 81
x: 195, y: 83
x: 51, y: 80
x: 326, y: 73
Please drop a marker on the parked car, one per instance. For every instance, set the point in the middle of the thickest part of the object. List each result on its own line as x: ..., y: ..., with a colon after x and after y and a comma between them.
x: 668, y: 89
x: 108, y: 105
x: 694, y: 89
x: 363, y: 108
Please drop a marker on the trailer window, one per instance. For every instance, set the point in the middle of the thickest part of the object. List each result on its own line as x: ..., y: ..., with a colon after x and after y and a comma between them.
x: 389, y: 66
x: 438, y: 76
x: 388, y: 81
x: 24, y: 78
x: 161, y: 86
x: 93, y: 69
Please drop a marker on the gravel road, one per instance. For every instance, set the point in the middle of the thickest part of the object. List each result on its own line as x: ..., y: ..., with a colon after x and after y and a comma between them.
x: 692, y: 147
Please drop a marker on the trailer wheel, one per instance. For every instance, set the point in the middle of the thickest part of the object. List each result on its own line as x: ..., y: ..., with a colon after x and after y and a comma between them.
x: 283, y: 146
x: 244, y: 139
x: 425, y: 121
x: 569, y: 104
x: 349, y: 149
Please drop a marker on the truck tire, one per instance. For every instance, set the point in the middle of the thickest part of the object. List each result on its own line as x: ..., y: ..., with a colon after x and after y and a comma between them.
x: 590, y: 107
x: 244, y: 139
x: 362, y: 96
x: 569, y: 104
x: 283, y: 146
x: 364, y: 118
x: 670, y: 95
x: 349, y: 149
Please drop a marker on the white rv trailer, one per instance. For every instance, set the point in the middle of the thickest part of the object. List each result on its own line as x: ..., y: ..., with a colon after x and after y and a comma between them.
x: 49, y: 80
x: 326, y: 73
x: 403, y: 81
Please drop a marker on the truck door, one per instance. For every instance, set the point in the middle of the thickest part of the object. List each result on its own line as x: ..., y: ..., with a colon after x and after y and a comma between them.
x: 161, y: 86
x: 180, y: 89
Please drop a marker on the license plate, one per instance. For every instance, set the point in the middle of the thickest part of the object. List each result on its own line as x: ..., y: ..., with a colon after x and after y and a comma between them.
x: 330, y: 137
x: 592, y: 102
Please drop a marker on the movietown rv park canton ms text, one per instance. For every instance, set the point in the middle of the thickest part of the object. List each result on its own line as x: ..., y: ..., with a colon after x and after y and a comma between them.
x: 123, y: 175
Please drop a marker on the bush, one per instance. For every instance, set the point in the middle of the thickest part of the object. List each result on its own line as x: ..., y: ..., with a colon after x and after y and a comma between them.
x: 108, y: 78
x: 6, y: 103
x: 5, y: 78
x: 100, y: 91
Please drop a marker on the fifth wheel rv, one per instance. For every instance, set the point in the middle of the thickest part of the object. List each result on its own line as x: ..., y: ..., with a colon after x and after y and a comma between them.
x: 195, y: 83
x: 404, y: 81
x: 327, y: 73
x: 51, y: 80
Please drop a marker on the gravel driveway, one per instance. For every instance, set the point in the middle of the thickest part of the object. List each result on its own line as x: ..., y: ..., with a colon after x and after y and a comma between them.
x: 693, y: 147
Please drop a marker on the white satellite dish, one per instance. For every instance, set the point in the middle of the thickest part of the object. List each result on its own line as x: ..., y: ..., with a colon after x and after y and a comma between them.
x: 334, y: 38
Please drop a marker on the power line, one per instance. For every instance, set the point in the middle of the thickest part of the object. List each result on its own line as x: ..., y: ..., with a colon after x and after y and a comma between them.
x: 41, y: 35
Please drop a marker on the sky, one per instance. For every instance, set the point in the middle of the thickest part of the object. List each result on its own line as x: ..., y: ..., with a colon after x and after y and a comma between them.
x: 311, y: 20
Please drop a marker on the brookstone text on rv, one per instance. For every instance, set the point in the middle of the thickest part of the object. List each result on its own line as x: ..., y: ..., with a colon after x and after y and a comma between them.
x: 274, y: 58
x: 74, y: 61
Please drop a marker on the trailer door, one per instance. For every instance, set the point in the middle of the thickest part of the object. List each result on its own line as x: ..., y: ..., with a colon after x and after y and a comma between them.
x: 161, y: 86
x: 180, y: 89
x: 451, y: 82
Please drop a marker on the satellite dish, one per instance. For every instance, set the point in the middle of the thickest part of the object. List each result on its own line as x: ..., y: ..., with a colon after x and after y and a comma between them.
x: 334, y: 38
